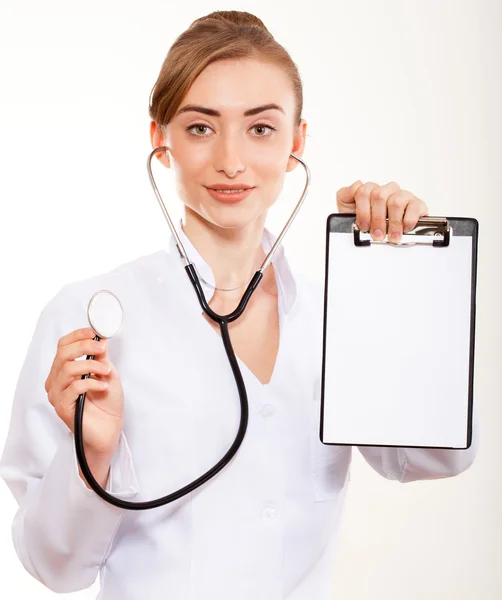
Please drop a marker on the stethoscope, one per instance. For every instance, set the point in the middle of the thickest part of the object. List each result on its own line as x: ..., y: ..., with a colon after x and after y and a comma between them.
x: 104, y: 313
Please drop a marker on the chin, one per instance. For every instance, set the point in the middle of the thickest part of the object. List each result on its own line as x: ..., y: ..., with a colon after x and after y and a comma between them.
x: 230, y: 217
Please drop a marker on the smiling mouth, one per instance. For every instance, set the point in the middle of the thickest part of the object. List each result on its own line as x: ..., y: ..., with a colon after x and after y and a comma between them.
x: 233, y: 195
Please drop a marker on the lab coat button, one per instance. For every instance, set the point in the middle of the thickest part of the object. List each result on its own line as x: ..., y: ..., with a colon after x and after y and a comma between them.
x: 268, y: 513
x: 268, y: 410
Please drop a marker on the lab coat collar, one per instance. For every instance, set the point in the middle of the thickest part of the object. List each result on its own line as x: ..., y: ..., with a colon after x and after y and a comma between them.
x: 285, y: 277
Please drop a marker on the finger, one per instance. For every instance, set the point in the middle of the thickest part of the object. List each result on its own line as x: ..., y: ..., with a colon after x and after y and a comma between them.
x: 363, y: 206
x: 64, y: 400
x: 378, y: 201
x: 81, y: 348
x: 72, y: 351
x: 415, y: 209
x: 70, y: 338
x: 104, y: 358
x: 396, y: 205
x: 345, y: 196
x: 76, y: 368
x: 76, y: 336
x: 73, y: 336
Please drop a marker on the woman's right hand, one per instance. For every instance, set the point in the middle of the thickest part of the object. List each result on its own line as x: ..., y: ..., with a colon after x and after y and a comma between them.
x: 104, y: 402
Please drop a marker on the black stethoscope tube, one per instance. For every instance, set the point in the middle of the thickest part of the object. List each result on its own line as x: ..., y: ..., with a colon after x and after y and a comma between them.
x: 223, y: 322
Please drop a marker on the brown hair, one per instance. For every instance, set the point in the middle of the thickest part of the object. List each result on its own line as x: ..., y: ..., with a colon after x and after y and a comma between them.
x: 223, y: 34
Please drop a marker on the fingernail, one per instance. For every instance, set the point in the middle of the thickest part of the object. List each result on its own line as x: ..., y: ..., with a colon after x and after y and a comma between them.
x: 364, y: 226
x: 378, y: 233
x: 394, y: 237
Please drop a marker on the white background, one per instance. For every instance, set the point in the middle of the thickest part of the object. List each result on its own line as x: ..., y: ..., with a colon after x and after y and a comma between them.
x: 406, y: 91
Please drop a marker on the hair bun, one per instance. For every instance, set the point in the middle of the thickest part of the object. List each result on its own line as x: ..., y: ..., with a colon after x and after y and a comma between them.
x: 237, y: 17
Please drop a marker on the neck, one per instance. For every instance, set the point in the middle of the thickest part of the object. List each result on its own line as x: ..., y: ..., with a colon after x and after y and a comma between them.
x: 234, y: 254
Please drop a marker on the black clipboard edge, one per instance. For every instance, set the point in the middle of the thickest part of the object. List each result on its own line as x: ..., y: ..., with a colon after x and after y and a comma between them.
x: 466, y: 226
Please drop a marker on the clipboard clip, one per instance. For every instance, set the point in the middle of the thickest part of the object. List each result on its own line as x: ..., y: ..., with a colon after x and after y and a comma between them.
x: 433, y: 226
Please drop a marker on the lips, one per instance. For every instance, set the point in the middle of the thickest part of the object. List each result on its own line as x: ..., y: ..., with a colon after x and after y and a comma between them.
x: 230, y: 196
x: 229, y: 191
x: 229, y: 186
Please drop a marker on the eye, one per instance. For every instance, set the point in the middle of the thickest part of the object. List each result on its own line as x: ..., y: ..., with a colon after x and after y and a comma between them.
x: 199, y: 126
x: 263, y: 126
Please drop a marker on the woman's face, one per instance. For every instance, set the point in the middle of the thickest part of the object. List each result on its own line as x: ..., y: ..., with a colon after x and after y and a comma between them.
x: 230, y: 147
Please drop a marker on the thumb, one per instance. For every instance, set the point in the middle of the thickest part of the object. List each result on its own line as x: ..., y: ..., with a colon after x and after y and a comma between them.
x: 346, y: 195
x: 104, y: 358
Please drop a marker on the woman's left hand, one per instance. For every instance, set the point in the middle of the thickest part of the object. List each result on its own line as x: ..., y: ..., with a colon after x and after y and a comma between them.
x: 373, y: 203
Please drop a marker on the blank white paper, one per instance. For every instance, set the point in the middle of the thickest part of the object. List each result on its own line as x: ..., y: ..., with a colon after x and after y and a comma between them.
x: 397, y: 344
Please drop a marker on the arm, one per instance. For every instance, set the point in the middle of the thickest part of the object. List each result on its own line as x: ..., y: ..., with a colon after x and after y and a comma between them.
x: 62, y: 530
x: 413, y: 464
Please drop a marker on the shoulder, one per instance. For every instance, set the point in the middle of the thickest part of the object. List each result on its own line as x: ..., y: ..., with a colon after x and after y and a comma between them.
x: 129, y: 279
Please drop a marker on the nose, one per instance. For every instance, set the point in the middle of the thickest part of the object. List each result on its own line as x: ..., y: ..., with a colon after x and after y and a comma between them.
x: 228, y: 155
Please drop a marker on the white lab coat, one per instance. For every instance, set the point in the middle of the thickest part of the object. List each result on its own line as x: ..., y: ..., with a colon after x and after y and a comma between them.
x: 264, y: 527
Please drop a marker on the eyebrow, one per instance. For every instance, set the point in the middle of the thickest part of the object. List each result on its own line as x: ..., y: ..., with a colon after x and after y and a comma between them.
x: 214, y: 113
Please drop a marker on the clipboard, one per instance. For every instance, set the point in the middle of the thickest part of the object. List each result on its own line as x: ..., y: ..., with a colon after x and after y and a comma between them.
x: 398, y: 335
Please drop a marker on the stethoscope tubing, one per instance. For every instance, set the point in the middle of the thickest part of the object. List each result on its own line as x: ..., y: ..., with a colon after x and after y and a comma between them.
x: 223, y: 321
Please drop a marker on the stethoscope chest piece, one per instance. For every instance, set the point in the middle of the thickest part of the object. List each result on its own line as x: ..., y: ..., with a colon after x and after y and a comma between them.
x: 105, y: 313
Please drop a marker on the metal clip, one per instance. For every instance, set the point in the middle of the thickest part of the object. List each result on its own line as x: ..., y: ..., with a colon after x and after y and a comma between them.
x: 433, y: 226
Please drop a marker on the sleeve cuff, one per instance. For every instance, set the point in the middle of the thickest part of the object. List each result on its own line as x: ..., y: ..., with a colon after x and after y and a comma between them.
x: 122, y: 481
x: 441, y: 463
x: 394, y: 463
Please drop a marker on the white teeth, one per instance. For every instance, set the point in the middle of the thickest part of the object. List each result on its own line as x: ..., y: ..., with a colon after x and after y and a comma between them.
x: 229, y: 191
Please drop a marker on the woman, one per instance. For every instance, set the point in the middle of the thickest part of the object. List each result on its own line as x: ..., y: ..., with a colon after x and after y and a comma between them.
x: 162, y: 406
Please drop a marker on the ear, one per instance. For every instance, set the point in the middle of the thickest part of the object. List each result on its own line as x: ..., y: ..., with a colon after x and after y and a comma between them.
x: 298, y: 145
x: 157, y: 139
